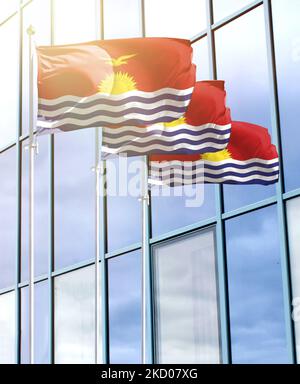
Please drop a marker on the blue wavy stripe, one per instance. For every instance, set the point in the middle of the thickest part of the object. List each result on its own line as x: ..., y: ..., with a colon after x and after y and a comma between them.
x: 100, y: 123
x: 173, y: 152
x: 250, y: 182
x: 145, y: 112
x: 114, y: 103
x: 237, y: 166
x: 144, y: 133
x: 170, y: 144
x: 171, y: 176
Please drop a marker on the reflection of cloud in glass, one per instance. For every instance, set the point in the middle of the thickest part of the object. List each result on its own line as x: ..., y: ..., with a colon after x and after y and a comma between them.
x: 287, y: 42
x: 74, y: 197
x: 225, y: 8
x: 9, y: 105
x: 172, y: 18
x: 41, y: 341
x: 255, y: 289
x: 293, y: 209
x: 75, y: 317
x: 125, y: 308
x: 7, y: 328
x: 186, y: 300
x: 8, y: 215
x: 242, y: 62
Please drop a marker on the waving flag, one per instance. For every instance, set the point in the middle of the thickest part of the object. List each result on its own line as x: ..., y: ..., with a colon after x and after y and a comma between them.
x: 113, y: 83
x: 249, y: 159
x: 205, y: 127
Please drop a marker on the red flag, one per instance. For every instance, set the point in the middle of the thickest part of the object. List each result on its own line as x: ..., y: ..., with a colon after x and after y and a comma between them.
x: 114, y: 82
x: 250, y: 158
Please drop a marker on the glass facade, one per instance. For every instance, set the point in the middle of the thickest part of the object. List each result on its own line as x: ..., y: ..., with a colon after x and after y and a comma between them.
x: 224, y: 276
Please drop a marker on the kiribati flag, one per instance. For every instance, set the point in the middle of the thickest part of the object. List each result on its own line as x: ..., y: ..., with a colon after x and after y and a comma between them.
x: 249, y: 159
x: 113, y: 83
x: 205, y: 127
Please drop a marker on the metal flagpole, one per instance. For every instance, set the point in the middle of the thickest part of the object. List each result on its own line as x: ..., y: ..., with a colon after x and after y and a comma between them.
x: 145, y: 203
x: 97, y: 250
x: 32, y: 150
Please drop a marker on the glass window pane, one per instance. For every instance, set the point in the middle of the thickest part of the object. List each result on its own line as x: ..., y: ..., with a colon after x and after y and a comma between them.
x: 293, y: 213
x: 38, y: 14
x: 125, y: 308
x: 7, y: 8
x: 177, y: 207
x: 224, y: 8
x: 75, y: 317
x: 244, y: 67
x: 8, y: 217
x: 255, y: 289
x: 74, y: 197
x: 75, y: 21
x: 201, y: 59
x: 41, y: 205
x: 175, y: 18
x: 7, y: 328
x: 41, y: 326
x: 287, y: 43
x: 117, y: 14
x: 186, y: 300
x: 123, y: 206
x: 9, y: 80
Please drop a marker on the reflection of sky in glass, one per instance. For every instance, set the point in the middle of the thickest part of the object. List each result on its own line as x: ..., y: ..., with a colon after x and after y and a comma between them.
x: 174, y: 18
x: 7, y: 8
x: 7, y: 328
x: 242, y: 62
x: 123, y: 212
x: 75, y: 21
x: 9, y: 105
x: 41, y: 342
x: 255, y: 289
x: 223, y: 8
x: 201, y: 59
x: 293, y: 211
x: 122, y: 19
x: 8, y: 214
x: 287, y: 42
x: 125, y: 308
x: 186, y: 300
x: 75, y: 317
x: 41, y: 206
x: 74, y: 197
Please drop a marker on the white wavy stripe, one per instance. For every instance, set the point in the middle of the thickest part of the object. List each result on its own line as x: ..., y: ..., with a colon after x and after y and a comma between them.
x: 187, y: 172
x: 207, y: 179
x: 126, y: 139
x: 108, y: 119
x: 96, y: 96
x: 166, y: 148
x: 161, y: 126
x: 165, y: 164
x: 111, y: 108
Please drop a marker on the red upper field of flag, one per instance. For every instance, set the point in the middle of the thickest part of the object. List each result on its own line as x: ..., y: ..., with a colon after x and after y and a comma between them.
x: 113, y: 83
x: 82, y: 69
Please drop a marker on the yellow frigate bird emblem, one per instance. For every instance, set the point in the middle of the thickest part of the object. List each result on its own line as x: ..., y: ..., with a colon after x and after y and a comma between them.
x: 119, y: 60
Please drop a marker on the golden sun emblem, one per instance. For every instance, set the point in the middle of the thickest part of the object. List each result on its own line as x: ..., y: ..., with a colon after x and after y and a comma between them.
x: 119, y: 60
x: 217, y: 156
x: 117, y: 83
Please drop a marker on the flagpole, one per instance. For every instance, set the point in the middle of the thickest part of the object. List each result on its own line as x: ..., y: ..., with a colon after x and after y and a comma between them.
x: 145, y: 203
x: 32, y: 150
x: 98, y: 249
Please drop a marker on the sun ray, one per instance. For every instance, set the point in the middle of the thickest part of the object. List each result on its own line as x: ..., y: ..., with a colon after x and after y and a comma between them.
x: 117, y: 83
